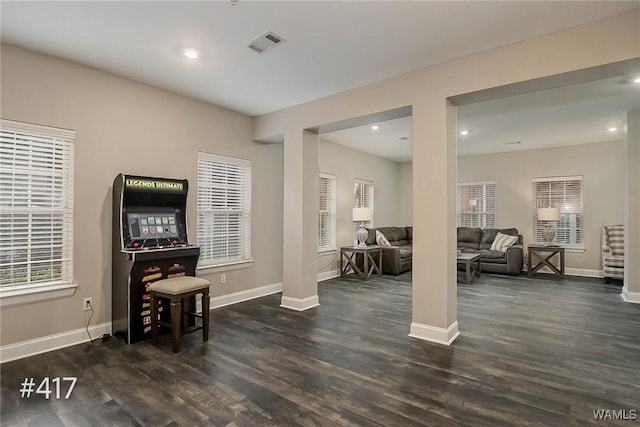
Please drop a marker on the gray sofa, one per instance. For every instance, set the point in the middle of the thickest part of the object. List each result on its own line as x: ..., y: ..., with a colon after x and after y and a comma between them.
x: 479, y: 240
x: 396, y: 259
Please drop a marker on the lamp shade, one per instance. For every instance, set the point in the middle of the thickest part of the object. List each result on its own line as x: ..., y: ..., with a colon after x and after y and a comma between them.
x: 548, y: 214
x: 362, y: 214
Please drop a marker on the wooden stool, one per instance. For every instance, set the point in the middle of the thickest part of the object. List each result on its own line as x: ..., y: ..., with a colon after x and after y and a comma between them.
x: 177, y: 290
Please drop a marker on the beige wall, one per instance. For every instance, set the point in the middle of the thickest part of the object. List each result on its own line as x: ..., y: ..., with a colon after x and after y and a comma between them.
x: 601, y: 166
x: 114, y: 116
x: 348, y: 165
x: 434, y: 162
x: 405, y: 193
x: 631, y: 289
x: 119, y: 124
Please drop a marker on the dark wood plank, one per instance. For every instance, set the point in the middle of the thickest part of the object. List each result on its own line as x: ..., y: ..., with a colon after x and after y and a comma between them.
x: 533, y: 351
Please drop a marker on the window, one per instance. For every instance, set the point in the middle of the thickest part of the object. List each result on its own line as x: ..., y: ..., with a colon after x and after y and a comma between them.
x: 224, y: 210
x: 476, y: 205
x: 564, y: 193
x: 36, y: 208
x: 362, y: 198
x: 326, y: 212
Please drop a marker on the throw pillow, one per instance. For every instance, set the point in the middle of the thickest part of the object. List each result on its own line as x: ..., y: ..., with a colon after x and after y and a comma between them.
x: 381, y: 240
x: 502, y: 242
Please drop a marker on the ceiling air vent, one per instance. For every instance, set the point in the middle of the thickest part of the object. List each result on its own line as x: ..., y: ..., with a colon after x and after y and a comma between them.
x: 266, y: 42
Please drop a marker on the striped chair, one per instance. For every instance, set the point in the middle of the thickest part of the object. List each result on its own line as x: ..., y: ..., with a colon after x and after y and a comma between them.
x: 612, y: 242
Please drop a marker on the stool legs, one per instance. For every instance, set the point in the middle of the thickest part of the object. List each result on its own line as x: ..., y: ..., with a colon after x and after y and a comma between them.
x: 205, y: 315
x: 179, y: 316
x: 176, y: 320
x: 185, y: 313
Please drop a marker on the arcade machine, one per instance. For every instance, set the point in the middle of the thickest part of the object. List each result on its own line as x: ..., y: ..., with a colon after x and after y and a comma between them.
x: 149, y: 243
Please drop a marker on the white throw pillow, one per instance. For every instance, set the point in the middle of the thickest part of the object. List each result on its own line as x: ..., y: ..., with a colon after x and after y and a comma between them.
x: 381, y: 240
x: 502, y: 242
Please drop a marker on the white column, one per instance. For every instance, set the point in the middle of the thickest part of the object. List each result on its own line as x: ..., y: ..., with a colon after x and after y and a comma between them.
x: 631, y: 287
x: 300, y: 215
x: 434, y: 314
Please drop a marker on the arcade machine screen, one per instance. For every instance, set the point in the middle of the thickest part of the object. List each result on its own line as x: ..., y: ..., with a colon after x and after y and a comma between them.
x: 156, y: 225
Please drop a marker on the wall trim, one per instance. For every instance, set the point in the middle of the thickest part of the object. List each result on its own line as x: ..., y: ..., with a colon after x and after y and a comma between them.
x: 65, y: 339
x: 580, y: 272
x: 326, y: 275
x: 632, y: 297
x: 241, y: 296
x: 24, y: 296
x: 52, y: 342
x: 584, y: 272
x: 434, y: 334
x: 300, y: 304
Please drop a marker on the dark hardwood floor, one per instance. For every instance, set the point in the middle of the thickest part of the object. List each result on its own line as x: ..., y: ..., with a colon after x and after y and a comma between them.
x: 533, y: 351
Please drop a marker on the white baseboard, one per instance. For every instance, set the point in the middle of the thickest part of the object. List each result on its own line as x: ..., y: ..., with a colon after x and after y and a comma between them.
x: 580, y: 272
x: 52, y: 342
x: 633, y: 297
x: 326, y: 275
x: 236, y: 297
x: 65, y: 339
x: 434, y: 334
x: 584, y: 272
x: 300, y: 304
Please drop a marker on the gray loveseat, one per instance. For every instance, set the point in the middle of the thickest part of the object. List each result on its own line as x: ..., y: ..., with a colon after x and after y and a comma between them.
x: 479, y: 240
x: 397, y: 258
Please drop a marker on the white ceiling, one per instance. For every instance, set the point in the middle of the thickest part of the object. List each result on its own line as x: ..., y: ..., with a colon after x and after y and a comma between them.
x: 330, y: 46
x: 383, y: 142
x: 570, y: 115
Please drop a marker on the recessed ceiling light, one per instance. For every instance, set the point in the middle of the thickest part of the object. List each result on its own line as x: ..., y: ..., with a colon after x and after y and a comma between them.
x: 613, y: 129
x: 190, y: 53
x: 636, y: 80
x: 375, y: 127
x: 464, y: 132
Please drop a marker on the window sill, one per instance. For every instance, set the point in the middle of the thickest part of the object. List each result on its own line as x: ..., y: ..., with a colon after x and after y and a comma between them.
x: 327, y: 251
x: 9, y: 297
x: 575, y: 249
x: 237, y: 265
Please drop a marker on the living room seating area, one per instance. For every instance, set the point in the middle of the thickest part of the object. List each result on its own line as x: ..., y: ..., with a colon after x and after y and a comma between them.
x: 494, y: 258
x: 500, y: 250
x: 397, y: 256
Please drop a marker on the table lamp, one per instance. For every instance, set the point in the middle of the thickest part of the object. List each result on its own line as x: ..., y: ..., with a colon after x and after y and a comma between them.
x: 548, y: 214
x: 362, y: 215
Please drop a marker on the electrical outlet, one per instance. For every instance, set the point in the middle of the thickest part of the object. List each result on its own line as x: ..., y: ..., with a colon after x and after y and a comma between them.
x: 223, y: 279
x: 87, y: 303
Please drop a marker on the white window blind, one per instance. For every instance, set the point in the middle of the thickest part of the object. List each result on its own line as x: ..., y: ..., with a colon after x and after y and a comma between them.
x: 326, y: 212
x: 224, y: 209
x: 564, y: 193
x: 36, y: 205
x: 476, y: 204
x: 363, y: 198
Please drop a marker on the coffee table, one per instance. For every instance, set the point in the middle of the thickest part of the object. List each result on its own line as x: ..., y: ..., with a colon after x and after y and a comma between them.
x: 472, y: 265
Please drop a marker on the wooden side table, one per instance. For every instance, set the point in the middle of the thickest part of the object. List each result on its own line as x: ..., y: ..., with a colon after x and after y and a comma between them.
x: 349, y: 253
x: 540, y: 251
x: 472, y: 265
